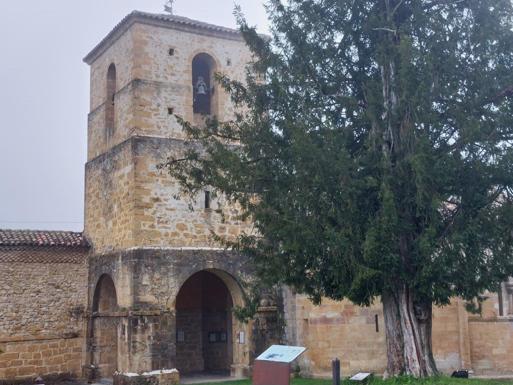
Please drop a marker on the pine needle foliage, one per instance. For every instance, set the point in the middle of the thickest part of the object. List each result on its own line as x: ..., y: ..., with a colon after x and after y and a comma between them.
x: 372, y: 149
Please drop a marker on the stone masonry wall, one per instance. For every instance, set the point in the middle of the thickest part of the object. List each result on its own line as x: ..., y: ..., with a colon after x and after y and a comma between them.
x: 43, y: 296
x: 161, y: 219
x: 109, y: 194
x: 491, y: 339
x: 130, y: 202
x: 156, y: 66
x: 343, y: 330
x: 121, y: 55
x: 148, y: 281
x: 340, y: 329
x: 492, y: 346
x: 27, y: 359
x: 450, y: 337
x: 150, y: 81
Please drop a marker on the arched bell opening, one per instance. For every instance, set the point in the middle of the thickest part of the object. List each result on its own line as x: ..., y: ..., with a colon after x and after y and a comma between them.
x: 104, y: 347
x: 204, y: 95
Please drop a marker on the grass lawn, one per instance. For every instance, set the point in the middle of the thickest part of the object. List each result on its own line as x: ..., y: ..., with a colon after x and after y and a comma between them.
x: 395, y: 381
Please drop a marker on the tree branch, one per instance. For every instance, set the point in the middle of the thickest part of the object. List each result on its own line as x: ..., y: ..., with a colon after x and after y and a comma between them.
x: 394, y: 31
x: 442, y: 2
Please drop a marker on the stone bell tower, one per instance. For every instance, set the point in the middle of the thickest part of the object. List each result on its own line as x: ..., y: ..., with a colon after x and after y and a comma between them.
x: 161, y: 292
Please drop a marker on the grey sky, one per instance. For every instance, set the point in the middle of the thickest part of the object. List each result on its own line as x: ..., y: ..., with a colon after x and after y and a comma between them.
x: 44, y: 98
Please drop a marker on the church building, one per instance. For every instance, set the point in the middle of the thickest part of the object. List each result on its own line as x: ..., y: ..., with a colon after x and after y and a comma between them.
x: 145, y: 287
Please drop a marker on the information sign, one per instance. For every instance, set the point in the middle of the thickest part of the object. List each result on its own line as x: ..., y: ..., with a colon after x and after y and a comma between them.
x: 281, y: 353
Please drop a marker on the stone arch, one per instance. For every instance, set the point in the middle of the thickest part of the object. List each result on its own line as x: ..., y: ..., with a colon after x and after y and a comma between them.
x: 208, y: 334
x: 110, y: 102
x: 105, y: 323
x: 204, y: 95
x: 105, y: 297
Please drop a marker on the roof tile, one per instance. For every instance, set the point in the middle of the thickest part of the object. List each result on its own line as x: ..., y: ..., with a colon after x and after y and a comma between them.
x: 42, y: 238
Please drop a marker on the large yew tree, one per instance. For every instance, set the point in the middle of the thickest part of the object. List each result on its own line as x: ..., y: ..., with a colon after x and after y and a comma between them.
x: 374, y: 156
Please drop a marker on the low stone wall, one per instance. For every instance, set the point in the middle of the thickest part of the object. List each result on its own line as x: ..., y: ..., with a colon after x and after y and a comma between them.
x: 27, y: 359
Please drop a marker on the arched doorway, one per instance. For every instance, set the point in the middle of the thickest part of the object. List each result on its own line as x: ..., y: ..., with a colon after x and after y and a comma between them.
x: 204, y: 325
x: 203, y: 70
x: 105, y: 327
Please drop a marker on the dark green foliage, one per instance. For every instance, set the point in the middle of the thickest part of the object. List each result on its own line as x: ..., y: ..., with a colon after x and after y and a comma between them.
x: 375, y: 150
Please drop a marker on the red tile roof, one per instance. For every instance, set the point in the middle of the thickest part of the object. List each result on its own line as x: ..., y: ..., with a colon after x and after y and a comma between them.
x: 42, y: 238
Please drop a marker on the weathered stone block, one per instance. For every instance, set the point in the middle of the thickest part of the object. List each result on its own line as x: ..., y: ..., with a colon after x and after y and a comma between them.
x: 9, y: 356
x: 157, y: 377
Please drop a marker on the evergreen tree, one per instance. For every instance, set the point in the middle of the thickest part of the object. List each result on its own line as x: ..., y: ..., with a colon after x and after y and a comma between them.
x: 374, y: 156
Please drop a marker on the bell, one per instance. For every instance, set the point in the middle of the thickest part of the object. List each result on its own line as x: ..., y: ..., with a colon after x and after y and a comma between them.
x: 201, y: 86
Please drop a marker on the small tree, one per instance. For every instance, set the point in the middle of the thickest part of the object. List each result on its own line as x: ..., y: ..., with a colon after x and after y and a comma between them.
x: 374, y: 156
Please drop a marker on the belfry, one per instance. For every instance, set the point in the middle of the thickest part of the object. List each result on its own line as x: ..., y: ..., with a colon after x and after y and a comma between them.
x: 162, y: 292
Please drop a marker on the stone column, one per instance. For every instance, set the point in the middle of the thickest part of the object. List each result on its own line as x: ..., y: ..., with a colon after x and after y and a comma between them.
x: 151, y: 341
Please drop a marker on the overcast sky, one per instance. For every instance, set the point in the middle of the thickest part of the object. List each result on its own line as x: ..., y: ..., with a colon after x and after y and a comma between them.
x: 44, y: 88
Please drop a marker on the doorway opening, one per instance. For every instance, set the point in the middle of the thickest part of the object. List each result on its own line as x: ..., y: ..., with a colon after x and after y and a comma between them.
x: 204, y: 341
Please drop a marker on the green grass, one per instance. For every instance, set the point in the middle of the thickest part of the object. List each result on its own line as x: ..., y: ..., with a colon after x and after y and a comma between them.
x: 395, y: 381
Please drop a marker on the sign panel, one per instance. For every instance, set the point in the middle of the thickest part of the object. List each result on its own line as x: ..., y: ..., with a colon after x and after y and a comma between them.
x: 360, y: 377
x: 281, y: 353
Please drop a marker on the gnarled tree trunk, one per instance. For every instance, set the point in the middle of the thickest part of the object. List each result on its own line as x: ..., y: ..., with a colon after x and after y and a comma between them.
x: 394, y: 335
x: 408, y: 332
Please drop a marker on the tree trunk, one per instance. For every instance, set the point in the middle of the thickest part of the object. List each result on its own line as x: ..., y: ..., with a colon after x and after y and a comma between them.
x: 394, y: 337
x: 424, y: 314
x: 408, y: 333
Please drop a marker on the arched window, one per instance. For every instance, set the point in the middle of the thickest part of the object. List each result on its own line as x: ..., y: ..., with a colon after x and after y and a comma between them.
x: 203, y: 69
x: 110, y: 103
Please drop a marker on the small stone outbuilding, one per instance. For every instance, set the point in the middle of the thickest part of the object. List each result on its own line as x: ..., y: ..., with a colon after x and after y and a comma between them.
x: 43, y: 300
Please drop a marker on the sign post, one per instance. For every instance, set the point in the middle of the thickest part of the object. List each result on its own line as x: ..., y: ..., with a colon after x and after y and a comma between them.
x: 272, y: 367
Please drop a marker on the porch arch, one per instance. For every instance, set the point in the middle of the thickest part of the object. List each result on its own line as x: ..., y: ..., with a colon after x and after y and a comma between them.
x: 105, y: 327
x: 209, y: 338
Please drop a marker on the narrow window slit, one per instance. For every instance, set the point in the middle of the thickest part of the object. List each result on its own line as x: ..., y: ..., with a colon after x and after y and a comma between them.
x: 207, y: 200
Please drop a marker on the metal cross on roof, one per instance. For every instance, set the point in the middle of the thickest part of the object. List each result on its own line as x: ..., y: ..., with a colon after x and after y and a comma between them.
x: 168, y: 7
